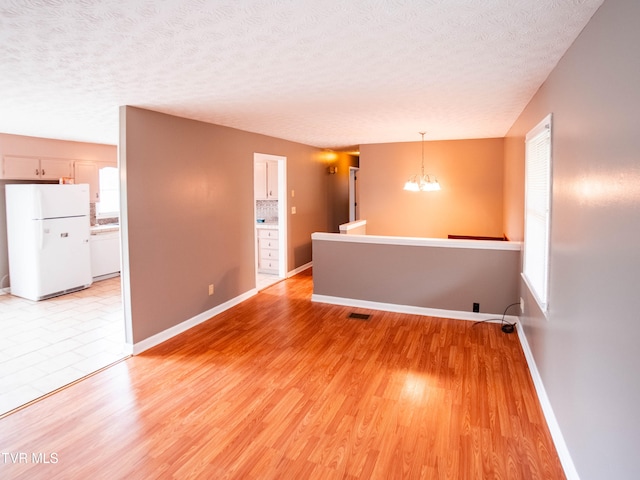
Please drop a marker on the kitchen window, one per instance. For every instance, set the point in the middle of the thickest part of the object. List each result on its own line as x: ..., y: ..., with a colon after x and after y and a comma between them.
x: 537, y: 218
x: 109, y: 204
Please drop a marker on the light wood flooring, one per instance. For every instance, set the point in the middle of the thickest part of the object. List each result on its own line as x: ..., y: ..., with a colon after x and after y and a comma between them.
x: 280, y: 387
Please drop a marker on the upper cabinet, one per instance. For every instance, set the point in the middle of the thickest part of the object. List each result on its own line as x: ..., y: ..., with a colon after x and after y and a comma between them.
x: 266, y: 179
x: 29, y: 168
x: 260, y: 180
x: 272, y: 180
x: 87, y: 172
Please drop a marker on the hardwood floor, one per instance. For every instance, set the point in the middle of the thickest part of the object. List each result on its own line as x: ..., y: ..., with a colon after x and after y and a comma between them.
x: 280, y: 387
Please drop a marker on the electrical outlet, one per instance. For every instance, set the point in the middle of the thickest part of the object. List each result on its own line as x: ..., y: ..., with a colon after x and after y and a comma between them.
x: 521, y: 305
x: 293, y: 193
x: 211, y: 289
x: 293, y: 210
x: 476, y: 307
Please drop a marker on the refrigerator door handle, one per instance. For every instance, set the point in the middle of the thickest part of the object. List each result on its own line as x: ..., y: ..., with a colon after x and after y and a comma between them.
x: 41, y: 235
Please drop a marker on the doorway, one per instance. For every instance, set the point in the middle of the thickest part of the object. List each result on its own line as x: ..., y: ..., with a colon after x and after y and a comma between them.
x: 354, y: 209
x: 270, y: 218
x: 50, y: 343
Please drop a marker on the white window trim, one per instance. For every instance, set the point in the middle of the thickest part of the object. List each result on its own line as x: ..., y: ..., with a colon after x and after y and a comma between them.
x: 539, y: 287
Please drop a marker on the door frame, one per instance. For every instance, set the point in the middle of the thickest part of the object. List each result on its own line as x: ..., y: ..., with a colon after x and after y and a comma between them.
x: 354, y: 208
x: 282, y: 213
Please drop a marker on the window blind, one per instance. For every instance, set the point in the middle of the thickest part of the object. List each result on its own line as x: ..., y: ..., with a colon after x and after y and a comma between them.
x: 537, y: 210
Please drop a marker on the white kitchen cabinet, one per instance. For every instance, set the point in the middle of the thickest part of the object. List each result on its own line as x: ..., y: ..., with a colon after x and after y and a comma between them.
x: 105, y: 254
x: 268, y: 250
x: 87, y: 172
x: 266, y: 179
x: 31, y: 168
x: 52, y: 169
x: 272, y: 180
x: 260, y: 180
x: 21, y: 168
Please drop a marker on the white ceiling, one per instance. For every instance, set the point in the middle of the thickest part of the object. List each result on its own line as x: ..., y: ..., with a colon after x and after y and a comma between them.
x: 328, y: 73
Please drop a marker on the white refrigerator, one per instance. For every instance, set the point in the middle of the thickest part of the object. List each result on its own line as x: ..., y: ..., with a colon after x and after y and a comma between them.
x: 48, y: 239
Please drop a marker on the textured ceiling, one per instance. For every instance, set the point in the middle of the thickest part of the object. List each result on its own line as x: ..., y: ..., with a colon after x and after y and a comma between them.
x: 328, y: 73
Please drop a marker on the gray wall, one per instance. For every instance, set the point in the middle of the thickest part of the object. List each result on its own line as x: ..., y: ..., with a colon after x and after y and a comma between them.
x: 418, y: 276
x: 587, y: 350
x: 189, y: 219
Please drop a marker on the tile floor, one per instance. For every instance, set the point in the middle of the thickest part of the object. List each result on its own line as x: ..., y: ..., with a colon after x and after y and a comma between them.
x: 263, y: 280
x: 48, y: 344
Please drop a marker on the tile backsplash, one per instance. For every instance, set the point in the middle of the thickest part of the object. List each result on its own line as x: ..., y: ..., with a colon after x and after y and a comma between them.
x: 267, y: 209
x: 99, y: 221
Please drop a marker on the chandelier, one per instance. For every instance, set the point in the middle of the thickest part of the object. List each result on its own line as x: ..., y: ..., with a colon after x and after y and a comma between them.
x: 422, y: 182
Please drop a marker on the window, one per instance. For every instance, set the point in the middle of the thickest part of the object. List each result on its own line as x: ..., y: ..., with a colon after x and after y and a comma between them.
x: 535, y: 270
x: 109, y: 204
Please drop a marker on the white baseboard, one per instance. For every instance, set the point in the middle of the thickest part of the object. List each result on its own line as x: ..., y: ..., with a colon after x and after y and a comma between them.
x: 106, y: 276
x: 299, y: 269
x: 392, y: 307
x: 554, y: 428
x: 165, y: 335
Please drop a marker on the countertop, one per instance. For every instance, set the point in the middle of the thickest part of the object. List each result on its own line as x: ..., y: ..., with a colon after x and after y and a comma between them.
x: 266, y: 225
x: 109, y: 227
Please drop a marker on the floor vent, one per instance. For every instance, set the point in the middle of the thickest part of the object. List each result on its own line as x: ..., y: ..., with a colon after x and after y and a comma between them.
x: 360, y: 316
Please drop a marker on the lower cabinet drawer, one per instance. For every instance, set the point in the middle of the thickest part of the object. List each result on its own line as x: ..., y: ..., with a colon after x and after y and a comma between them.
x: 268, y: 254
x: 268, y: 233
x: 267, y: 265
x: 268, y: 243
